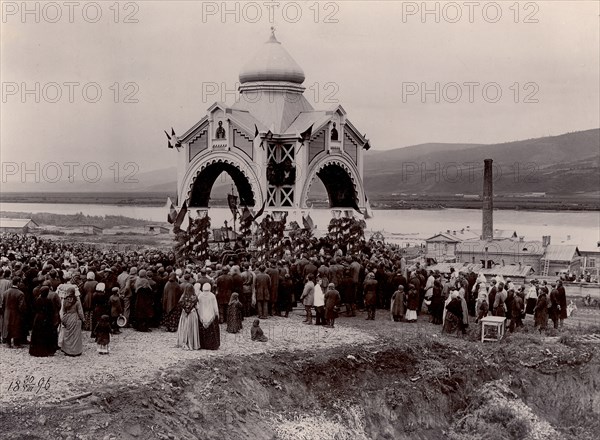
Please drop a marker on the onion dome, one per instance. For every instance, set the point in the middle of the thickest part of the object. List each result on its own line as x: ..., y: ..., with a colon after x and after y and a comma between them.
x: 272, y: 63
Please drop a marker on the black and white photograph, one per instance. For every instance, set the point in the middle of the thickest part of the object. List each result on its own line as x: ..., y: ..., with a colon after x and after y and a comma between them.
x: 300, y: 220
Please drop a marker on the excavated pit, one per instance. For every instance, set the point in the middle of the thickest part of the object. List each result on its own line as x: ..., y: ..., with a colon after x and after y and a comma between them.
x: 428, y: 389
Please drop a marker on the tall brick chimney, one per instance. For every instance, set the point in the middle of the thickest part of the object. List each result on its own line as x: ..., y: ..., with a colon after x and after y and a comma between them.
x: 487, y: 229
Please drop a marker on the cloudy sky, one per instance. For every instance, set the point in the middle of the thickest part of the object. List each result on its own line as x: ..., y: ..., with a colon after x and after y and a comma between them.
x: 110, y: 79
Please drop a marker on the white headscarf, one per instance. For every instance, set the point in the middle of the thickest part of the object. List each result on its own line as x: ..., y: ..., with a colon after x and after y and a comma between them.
x: 207, y: 304
x: 198, y: 289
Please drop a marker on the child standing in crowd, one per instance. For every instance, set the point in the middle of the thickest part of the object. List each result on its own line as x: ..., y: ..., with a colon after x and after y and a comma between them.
x: 102, y: 332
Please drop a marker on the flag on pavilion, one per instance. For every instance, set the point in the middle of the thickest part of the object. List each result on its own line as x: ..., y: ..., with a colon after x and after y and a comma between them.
x: 173, y: 139
x: 180, y: 216
x: 308, y: 222
x: 260, y: 212
x: 246, y: 215
x: 232, y: 202
x: 172, y: 215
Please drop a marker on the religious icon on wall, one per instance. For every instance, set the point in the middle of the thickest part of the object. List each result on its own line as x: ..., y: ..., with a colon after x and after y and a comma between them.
x: 334, y: 133
x: 220, y: 134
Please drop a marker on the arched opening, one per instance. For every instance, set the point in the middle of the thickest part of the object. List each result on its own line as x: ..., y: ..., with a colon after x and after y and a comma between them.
x: 339, y: 186
x: 205, y: 180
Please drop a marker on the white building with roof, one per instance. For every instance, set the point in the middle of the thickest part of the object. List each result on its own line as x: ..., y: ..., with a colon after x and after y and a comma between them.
x: 273, y: 143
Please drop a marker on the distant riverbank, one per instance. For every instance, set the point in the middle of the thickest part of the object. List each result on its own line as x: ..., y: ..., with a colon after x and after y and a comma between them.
x: 401, y: 202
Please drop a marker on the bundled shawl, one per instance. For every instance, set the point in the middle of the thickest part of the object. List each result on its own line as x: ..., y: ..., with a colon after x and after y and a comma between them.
x: 189, y: 299
x: 209, y: 309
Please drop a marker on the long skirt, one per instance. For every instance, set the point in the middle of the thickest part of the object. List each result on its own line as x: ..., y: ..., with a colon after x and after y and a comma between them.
x: 171, y: 319
x: 530, y: 308
x: 43, y: 338
x: 188, y: 334
x: 72, y: 344
x: 452, y: 323
x: 541, y: 319
x: 411, y: 315
x: 234, y: 317
x: 210, y: 337
x: 87, y: 325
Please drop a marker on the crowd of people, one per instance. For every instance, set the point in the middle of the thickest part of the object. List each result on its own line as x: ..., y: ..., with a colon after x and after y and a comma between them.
x: 52, y: 293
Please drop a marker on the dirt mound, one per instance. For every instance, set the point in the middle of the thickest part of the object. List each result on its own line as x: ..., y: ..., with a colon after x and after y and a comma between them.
x: 422, y: 388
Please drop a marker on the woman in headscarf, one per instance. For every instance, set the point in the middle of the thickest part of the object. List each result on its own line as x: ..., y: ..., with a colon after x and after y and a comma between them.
x: 210, y: 333
x: 72, y: 318
x: 88, y: 289
x: 412, y: 303
x: 397, y: 307
x: 43, y: 333
x: 454, y: 314
x: 100, y: 307
x: 235, y: 314
x: 188, y: 333
x: 144, y: 308
x: 170, y: 302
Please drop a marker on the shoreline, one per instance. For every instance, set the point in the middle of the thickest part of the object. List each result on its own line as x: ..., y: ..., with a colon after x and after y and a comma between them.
x: 587, y: 204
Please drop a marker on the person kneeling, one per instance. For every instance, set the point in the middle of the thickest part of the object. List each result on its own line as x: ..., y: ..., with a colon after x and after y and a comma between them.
x: 256, y: 332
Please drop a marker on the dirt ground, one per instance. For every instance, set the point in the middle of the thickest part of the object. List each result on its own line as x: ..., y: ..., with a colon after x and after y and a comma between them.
x: 361, y: 380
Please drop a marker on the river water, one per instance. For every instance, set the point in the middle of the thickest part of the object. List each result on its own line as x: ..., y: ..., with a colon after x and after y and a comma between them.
x: 583, y: 228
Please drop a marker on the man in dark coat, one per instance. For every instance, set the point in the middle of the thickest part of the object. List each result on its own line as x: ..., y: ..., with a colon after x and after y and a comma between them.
x: 554, y: 309
x: 224, y: 285
x: 310, y: 268
x: 14, y: 308
x: 517, y: 311
x: 262, y: 288
x: 347, y: 291
x: 562, y: 302
x: 336, y: 271
x: 247, y: 289
x: 273, y: 273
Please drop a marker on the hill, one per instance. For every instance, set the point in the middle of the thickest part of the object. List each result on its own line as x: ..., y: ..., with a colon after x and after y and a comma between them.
x: 565, y: 164
x: 557, y: 165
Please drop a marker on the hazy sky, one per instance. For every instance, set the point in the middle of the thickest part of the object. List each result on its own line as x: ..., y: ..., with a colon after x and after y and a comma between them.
x: 374, y: 58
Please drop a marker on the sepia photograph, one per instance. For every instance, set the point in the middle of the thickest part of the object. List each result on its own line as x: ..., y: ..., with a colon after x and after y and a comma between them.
x: 300, y: 220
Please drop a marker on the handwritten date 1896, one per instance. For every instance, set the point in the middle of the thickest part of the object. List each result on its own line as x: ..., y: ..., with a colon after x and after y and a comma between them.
x: 29, y: 385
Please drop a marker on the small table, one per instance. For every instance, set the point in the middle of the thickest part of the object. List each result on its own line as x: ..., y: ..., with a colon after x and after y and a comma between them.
x: 496, y: 322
